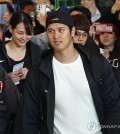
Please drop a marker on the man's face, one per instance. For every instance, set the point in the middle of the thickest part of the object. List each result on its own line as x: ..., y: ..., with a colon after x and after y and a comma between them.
x: 60, y: 37
x: 28, y: 9
x: 80, y: 37
x: 86, y: 3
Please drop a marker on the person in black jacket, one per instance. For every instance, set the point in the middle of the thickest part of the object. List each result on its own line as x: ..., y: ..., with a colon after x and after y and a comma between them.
x: 28, y: 7
x: 20, y: 51
x: 81, y: 36
x: 19, y: 55
x: 71, y: 91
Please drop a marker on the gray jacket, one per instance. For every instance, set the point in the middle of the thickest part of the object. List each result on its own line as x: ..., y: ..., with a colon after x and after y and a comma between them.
x: 41, y: 40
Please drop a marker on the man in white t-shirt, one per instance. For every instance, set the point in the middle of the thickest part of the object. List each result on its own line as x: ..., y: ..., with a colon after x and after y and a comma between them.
x: 73, y: 91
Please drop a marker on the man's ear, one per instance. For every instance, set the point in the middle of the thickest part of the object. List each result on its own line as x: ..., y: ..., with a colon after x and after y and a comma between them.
x: 73, y: 31
x: 10, y: 29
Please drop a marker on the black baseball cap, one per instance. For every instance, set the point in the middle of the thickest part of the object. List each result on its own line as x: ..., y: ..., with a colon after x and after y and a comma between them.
x: 59, y: 17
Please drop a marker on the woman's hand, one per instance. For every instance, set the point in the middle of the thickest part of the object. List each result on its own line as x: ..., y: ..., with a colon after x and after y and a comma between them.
x: 106, y: 53
x: 18, y: 75
x: 15, y: 76
x: 93, y: 32
x: 24, y: 72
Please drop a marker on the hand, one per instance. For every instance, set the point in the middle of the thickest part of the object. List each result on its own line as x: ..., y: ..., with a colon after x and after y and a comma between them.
x: 36, y: 1
x: 9, y: 1
x: 15, y: 76
x: 23, y: 73
x: 106, y: 53
x: 51, y: 7
x: 93, y: 33
x: 116, y: 6
x: 1, y: 35
x: 41, y: 19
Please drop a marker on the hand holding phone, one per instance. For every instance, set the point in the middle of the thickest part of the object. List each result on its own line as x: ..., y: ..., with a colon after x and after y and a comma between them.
x: 102, y: 51
x: 17, y: 68
x: 41, y: 9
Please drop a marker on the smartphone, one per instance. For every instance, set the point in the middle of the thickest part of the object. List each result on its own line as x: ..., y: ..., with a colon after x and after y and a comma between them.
x: 3, y: 9
x: 101, y: 51
x: 104, y: 28
x: 41, y: 9
x: 17, y: 67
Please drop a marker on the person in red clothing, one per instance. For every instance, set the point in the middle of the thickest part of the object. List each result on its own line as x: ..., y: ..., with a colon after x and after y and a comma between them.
x: 9, y: 101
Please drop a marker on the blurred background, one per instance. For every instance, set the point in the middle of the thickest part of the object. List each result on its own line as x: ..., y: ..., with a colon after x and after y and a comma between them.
x: 72, y: 3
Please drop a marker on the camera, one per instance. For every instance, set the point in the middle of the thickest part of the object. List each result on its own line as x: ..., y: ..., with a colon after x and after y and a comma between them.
x: 104, y: 28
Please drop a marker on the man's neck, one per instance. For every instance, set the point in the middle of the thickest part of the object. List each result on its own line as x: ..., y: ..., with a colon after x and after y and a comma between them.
x: 66, y: 56
x: 93, y: 9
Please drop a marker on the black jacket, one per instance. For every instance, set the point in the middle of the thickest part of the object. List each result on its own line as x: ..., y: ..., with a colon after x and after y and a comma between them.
x: 35, y: 53
x: 34, y: 57
x: 39, y: 100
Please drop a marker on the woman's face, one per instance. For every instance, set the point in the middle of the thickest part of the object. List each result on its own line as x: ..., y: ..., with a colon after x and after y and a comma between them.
x: 80, y: 37
x: 107, y: 39
x: 7, y: 16
x: 19, y: 35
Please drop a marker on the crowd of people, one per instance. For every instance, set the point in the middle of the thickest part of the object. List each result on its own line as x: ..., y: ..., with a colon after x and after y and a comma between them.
x: 59, y: 74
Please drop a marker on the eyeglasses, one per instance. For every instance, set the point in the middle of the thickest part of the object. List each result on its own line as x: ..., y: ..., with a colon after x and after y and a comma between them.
x: 78, y: 34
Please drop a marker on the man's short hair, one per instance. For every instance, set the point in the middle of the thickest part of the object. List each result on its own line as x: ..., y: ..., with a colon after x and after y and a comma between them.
x: 83, y: 10
x: 25, y: 3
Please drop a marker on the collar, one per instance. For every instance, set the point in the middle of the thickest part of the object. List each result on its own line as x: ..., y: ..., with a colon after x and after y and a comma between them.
x: 47, y: 56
